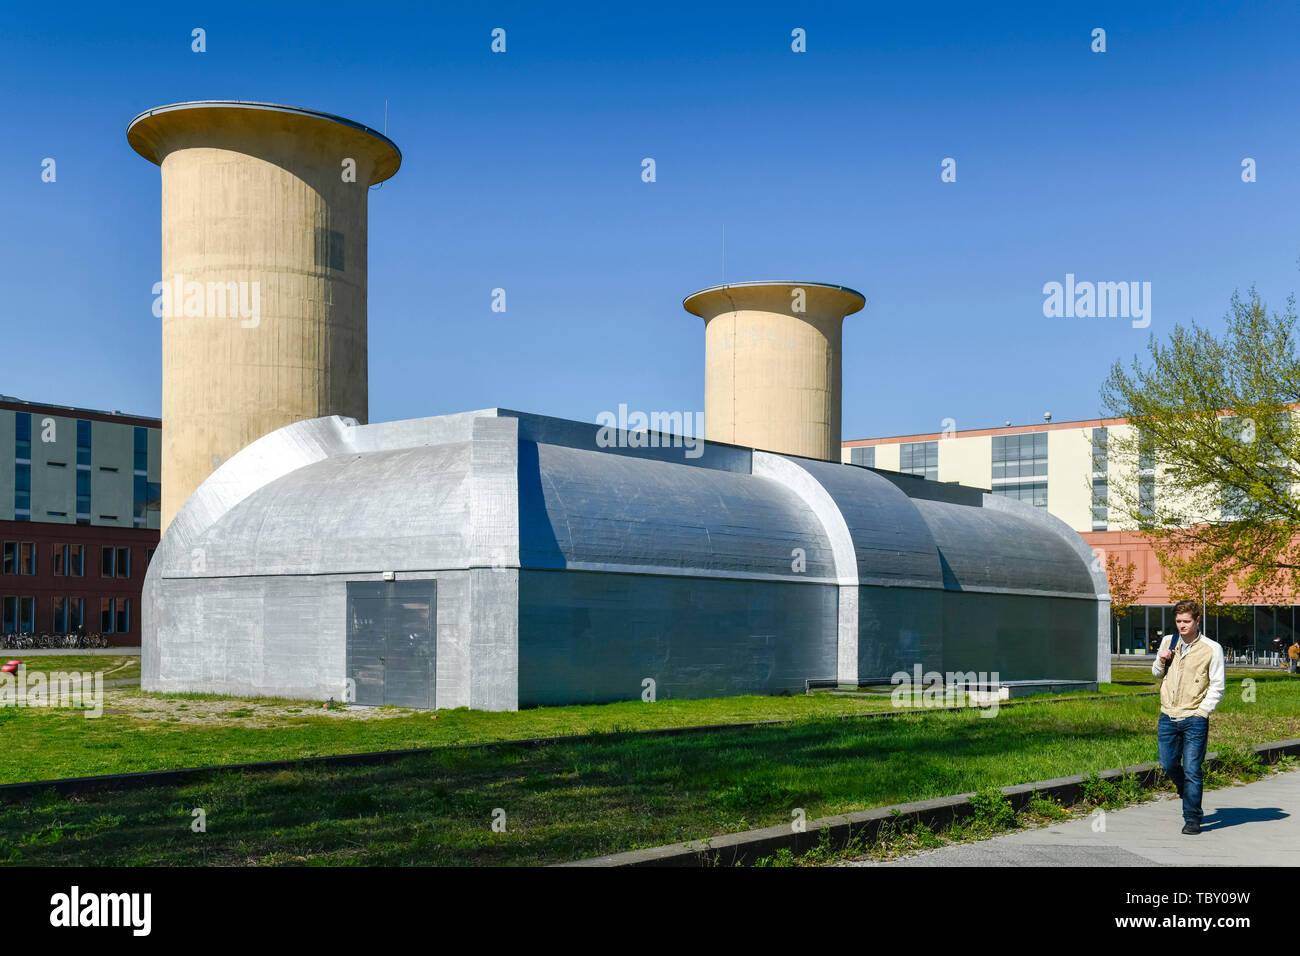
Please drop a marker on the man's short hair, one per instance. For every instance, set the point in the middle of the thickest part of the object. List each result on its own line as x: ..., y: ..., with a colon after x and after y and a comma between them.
x: 1188, y: 607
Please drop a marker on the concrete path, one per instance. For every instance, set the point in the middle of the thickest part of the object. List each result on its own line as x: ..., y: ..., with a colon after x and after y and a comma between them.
x: 1253, y: 824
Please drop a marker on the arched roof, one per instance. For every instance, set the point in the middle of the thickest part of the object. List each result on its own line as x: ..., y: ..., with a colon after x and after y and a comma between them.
x: 586, y: 509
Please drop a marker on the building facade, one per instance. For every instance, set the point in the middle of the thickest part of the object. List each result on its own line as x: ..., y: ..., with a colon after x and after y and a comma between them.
x: 1065, y: 469
x: 498, y: 560
x: 79, y: 518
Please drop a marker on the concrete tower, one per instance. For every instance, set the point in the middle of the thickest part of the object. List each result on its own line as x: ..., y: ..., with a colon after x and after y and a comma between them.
x: 772, y: 364
x: 263, y: 291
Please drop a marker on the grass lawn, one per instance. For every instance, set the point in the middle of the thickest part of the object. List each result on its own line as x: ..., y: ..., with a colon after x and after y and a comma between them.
x: 141, y: 731
x: 570, y: 800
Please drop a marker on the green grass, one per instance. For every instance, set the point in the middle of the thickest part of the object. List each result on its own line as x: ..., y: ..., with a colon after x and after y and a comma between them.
x: 113, y: 666
x: 44, y: 744
x: 569, y: 800
x: 993, y: 815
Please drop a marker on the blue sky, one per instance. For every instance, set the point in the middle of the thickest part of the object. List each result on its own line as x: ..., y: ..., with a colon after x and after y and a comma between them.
x: 522, y: 171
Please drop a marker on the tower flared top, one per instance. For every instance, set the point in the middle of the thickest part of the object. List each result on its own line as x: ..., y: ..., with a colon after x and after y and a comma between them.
x: 262, y: 129
x: 771, y: 295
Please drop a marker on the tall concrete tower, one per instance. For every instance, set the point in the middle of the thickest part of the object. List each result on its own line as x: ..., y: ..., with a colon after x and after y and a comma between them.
x: 772, y: 364
x: 263, y: 291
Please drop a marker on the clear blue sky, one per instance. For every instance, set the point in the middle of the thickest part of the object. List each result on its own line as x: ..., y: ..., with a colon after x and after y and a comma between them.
x: 522, y: 171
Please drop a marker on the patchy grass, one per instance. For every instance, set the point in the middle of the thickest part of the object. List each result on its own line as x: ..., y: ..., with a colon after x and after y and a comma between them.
x: 571, y: 799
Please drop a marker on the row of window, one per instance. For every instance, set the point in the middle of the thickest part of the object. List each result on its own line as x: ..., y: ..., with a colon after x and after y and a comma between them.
x: 146, y: 494
x: 69, y: 560
x: 20, y: 615
x: 919, y: 458
x: 1024, y: 456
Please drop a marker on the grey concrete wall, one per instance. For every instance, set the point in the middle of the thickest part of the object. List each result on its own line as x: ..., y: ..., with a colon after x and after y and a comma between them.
x: 897, y: 628
x: 276, y: 636
x: 1020, y: 637
x: 112, y: 493
x: 592, y: 637
x: 54, y: 469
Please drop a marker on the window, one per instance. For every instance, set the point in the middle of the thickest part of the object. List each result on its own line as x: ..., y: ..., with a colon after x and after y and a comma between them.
x: 23, y: 437
x: 1146, y: 496
x: 76, y: 613
x: 17, y: 615
x: 22, y: 491
x: 148, y: 499
x: 114, y: 615
x: 1099, y: 458
x: 22, y: 467
x: 59, y: 618
x: 1146, y: 453
x: 148, y: 556
x: 1020, y: 467
x: 1100, y: 501
x: 115, y: 562
x: 919, y: 458
x: 83, y: 472
x: 69, y: 560
x: 863, y: 455
x: 329, y: 248
x: 83, y: 443
x: 20, y: 557
x: 141, y: 466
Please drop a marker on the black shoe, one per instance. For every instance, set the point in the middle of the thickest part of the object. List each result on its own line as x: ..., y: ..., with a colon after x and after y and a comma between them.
x: 1191, y: 828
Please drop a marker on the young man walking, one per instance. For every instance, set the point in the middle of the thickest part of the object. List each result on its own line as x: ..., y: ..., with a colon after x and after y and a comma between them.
x: 1191, y: 687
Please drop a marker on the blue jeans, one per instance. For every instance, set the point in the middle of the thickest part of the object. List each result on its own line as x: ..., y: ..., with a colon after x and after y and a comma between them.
x: 1182, y: 749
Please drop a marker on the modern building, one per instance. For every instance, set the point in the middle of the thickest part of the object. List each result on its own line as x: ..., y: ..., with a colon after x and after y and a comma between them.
x: 499, y: 559
x: 79, y: 518
x: 1064, y: 469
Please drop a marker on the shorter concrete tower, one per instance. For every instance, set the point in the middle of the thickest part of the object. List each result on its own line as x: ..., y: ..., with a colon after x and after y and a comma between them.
x: 772, y: 364
x: 263, y: 274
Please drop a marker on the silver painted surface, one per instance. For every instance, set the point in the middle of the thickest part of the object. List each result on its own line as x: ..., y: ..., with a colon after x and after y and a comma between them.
x: 585, y: 510
x: 571, y: 572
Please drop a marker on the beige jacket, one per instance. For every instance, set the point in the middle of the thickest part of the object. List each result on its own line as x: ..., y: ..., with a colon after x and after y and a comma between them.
x: 1194, y: 682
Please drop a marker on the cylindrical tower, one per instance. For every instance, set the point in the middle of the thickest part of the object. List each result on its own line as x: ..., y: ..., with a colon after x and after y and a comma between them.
x: 263, y: 287
x: 772, y: 364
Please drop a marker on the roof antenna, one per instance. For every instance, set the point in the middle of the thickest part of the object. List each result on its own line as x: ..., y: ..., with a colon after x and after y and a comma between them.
x: 381, y: 185
x: 724, y: 253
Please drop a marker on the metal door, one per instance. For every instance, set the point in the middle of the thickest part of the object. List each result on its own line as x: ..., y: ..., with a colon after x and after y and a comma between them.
x: 392, y: 642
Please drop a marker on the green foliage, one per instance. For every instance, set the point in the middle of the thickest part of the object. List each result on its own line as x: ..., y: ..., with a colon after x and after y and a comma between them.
x: 993, y: 811
x: 1234, y: 763
x: 1214, y: 426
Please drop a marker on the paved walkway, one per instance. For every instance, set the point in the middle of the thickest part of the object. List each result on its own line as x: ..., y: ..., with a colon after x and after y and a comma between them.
x: 1253, y: 824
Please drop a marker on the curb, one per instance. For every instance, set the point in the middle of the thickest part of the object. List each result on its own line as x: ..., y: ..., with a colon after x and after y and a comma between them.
x: 167, y: 778
x: 740, y: 848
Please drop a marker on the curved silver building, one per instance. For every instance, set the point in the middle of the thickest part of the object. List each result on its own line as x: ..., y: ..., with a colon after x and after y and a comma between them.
x: 498, y: 560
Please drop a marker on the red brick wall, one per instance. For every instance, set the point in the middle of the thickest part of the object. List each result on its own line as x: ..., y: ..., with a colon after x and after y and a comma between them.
x: 45, y: 585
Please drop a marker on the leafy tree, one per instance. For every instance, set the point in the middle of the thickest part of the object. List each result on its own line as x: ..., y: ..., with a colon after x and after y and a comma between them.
x: 1125, y: 588
x: 1215, y: 436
